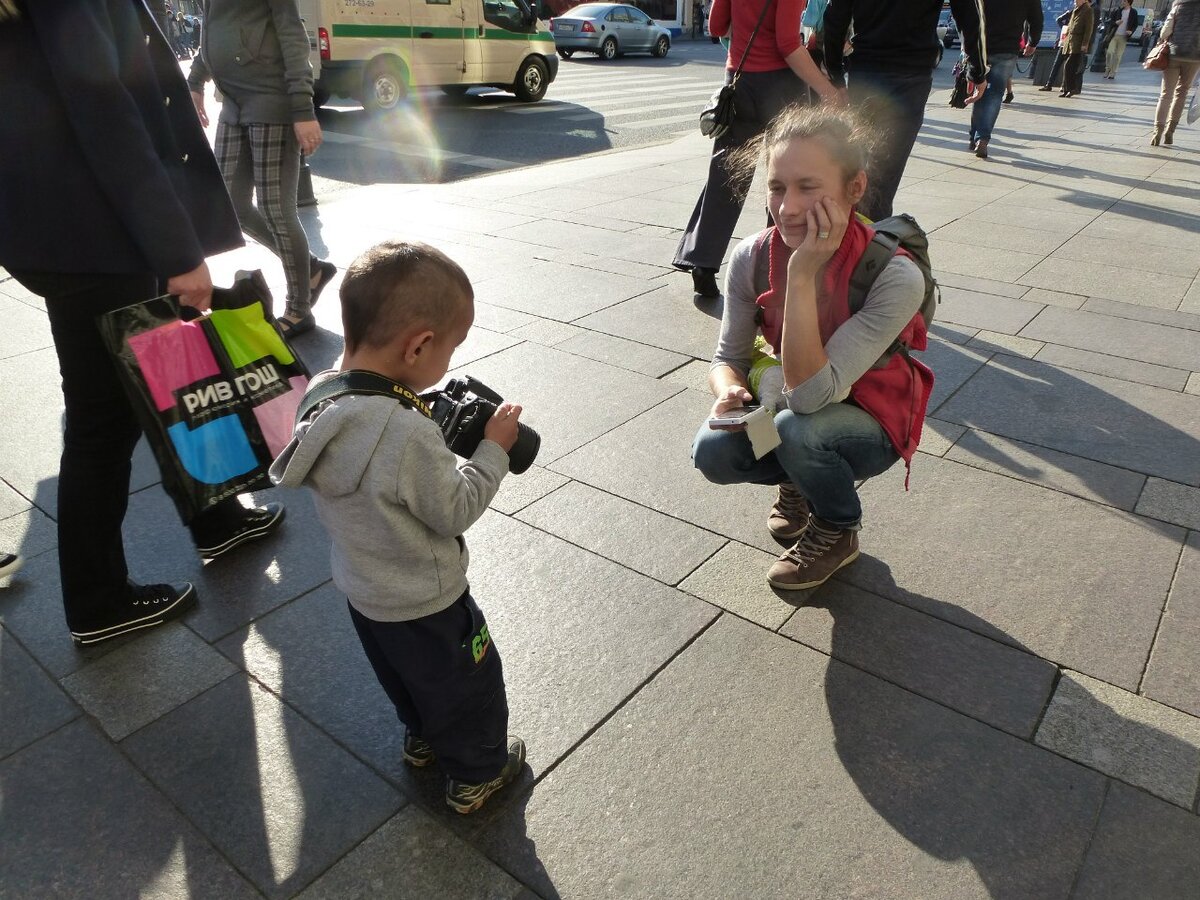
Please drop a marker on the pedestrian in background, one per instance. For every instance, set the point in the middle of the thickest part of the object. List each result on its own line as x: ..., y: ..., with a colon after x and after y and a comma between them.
x: 109, y: 189
x: 1060, y: 57
x: 896, y: 49
x: 1121, y: 24
x: 1079, y: 39
x: 777, y: 70
x: 267, y: 121
x: 1007, y: 23
x: 1181, y: 33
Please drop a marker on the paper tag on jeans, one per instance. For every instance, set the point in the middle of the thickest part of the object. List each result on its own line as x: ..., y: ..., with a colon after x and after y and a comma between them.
x: 760, y: 428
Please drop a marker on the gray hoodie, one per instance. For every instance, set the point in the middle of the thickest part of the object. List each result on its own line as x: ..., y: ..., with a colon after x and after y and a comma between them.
x: 394, y: 500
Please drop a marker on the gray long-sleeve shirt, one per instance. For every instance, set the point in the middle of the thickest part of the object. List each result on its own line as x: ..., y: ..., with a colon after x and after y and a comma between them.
x: 891, y: 303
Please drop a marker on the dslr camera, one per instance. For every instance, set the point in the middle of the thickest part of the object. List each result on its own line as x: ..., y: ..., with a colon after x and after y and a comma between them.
x: 462, y: 409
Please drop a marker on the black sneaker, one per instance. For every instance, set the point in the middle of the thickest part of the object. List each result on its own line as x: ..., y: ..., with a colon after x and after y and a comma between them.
x: 10, y: 564
x: 213, y: 540
x: 417, y: 753
x: 326, y: 270
x: 147, y: 605
x: 466, y: 798
x: 704, y: 282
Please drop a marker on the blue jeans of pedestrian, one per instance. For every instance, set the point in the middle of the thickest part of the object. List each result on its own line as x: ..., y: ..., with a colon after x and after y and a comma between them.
x: 822, y: 453
x: 987, y: 107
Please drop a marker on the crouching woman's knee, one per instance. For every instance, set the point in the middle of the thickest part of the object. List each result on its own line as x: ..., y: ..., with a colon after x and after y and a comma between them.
x: 723, y: 457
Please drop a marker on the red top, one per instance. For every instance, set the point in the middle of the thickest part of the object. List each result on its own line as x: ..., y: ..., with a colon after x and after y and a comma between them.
x: 777, y: 38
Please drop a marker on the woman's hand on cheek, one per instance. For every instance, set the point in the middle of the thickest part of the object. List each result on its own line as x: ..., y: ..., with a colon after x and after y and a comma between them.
x: 825, y: 226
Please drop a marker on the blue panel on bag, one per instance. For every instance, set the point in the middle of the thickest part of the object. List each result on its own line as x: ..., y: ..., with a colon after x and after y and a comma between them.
x: 215, y: 452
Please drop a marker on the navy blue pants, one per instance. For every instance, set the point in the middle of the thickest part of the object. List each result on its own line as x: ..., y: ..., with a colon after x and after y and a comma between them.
x: 444, y: 676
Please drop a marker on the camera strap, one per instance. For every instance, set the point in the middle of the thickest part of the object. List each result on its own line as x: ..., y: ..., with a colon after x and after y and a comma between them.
x: 359, y: 381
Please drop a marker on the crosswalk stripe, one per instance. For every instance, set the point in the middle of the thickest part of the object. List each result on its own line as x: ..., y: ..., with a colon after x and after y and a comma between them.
x: 685, y: 87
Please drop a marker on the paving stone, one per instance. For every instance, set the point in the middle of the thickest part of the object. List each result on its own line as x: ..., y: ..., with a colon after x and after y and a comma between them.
x: 1115, y: 366
x: 547, y: 332
x: 887, y: 794
x: 1193, y: 383
x: 953, y: 366
x: 250, y: 581
x: 97, y: 830
x: 1085, y: 590
x: 561, y: 618
x: 602, y: 242
x: 29, y: 533
x: 934, y: 212
x: 412, y: 857
x: 499, y: 319
x: 581, y: 260
x: 1144, y: 258
x: 147, y: 678
x: 1171, y: 674
x: 736, y: 579
x: 1133, y: 739
x: 1171, y: 502
x: 1142, y: 848
x: 1135, y: 426
x: 985, y: 311
x: 995, y: 342
x: 981, y: 285
x: 952, y: 334
x: 25, y: 329
x: 33, y: 705
x: 273, y: 793
x: 1141, y: 313
x: 648, y: 460
x: 979, y: 261
x: 518, y: 491
x: 568, y: 399
x: 1049, y: 468
x: 546, y: 289
x: 1061, y: 223
x: 480, y: 343
x: 963, y: 669
x: 971, y: 230
x: 623, y: 353
x: 694, y: 324
x: 641, y: 539
x: 1054, y: 298
x: 1111, y: 282
x: 694, y: 375
x: 937, y: 437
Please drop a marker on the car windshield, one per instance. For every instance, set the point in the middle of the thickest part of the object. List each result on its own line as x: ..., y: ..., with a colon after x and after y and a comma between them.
x: 587, y: 11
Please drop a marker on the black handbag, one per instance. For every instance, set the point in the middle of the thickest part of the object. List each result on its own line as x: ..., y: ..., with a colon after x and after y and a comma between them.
x: 718, y: 114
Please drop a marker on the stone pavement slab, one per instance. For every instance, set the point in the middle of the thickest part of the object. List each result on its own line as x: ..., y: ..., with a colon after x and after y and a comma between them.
x: 1142, y: 313
x: 1145, y: 341
x: 735, y: 579
x: 843, y: 786
x: 1129, y: 737
x: 1112, y: 282
x: 78, y: 821
x: 31, y: 703
x: 1171, y: 673
x: 280, y: 799
x: 1114, y: 366
x: 1171, y: 502
x: 978, y: 310
x: 693, y: 323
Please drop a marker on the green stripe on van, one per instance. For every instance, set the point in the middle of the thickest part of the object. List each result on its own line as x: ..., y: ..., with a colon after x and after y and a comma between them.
x: 454, y: 34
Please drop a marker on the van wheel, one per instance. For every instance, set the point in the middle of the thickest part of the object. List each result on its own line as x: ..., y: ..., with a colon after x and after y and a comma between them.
x: 532, y: 81
x: 661, y: 46
x: 455, y: 90
x: 565, y: 54
x: 384, y: 87
x: 608, y: 50
x: 320, y: 96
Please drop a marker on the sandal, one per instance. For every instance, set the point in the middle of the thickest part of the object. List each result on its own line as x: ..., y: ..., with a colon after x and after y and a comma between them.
x: 327, y: 270
x: 291, y: 329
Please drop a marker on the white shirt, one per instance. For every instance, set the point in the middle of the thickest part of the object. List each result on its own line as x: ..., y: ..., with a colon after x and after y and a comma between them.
x: 1123, y: 28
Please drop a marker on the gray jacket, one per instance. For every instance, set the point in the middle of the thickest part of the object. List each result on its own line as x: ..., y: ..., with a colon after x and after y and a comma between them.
x: 257, y: 52
x: 1182, y: 29
x: 394, y: 500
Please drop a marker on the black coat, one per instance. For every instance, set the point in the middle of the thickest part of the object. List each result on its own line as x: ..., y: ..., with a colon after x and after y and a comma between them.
x: 103, y: 164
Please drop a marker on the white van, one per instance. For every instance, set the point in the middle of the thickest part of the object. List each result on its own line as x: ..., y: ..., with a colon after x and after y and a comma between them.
x: 374, y: 51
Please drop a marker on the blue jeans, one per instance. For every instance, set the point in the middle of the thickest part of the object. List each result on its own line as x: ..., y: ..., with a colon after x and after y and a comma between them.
x: 987, y: 107
x: 823, y: 454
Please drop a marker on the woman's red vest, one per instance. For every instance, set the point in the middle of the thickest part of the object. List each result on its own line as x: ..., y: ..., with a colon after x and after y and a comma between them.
x: 895, y: 394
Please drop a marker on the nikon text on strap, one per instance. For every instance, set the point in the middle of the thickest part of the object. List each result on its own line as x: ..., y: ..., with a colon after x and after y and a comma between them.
x: 361, y: 382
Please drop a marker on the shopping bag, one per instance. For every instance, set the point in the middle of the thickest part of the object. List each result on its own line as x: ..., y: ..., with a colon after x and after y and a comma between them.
x: 216, y: 395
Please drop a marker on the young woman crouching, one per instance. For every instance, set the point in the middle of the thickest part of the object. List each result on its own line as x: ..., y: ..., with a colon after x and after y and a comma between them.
x: 849, y: 408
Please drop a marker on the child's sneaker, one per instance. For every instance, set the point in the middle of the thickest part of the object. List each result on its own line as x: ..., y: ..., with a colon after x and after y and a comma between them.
x: 417, y: 753
x: 466, y: 798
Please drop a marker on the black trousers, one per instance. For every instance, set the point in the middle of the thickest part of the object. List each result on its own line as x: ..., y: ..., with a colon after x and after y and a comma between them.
x: 1056, y: 69
x: 1073, y: 72
x: 761, y: 96
x: 895, y: 103
x: 444, y: 676
x: 100, y: 432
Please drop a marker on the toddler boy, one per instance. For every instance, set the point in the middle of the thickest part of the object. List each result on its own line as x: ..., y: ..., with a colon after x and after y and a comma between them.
x: 396, y: 502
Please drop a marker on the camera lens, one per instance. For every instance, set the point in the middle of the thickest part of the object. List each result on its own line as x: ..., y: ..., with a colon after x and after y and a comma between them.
x: 525, y: 450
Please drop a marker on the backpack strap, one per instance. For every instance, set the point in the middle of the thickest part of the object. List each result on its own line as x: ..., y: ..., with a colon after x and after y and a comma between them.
x: 359, y: 381
x: 870, y: 266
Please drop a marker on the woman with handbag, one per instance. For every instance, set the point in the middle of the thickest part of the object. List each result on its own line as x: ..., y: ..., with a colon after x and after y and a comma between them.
x: 848, y: 400
x: 1179, y: 42
x: 769, y: 67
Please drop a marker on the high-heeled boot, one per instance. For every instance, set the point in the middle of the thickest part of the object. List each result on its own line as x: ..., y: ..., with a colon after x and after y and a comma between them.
x: 1169, y: 134
x: 1156, y: 137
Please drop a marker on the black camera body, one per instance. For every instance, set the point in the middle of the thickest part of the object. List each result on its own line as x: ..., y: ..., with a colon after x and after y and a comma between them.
x: 462, y: 409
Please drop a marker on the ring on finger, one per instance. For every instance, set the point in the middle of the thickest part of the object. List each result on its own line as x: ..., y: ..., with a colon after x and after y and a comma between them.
x: 822, y: 235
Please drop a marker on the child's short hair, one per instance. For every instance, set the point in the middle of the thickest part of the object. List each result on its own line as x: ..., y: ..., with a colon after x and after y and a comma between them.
x: 398, y: 284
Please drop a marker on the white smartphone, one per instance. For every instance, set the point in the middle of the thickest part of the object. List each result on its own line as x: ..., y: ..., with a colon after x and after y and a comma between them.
x: 736, y: 416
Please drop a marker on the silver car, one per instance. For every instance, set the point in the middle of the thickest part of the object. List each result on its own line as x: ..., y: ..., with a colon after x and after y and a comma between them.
x: 607, y: 29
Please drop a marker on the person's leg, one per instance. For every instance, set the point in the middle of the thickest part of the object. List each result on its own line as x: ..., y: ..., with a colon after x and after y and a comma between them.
x: 760, y: 96
x: 232, y: 149
x: 1186, y: 74
x: 1055, y: 70
x: 1166, y: 94
x: 987, y: 108
x: 725, y: 457
x: 276, y: 157
x: 389, y: 679
x: 100, y: 433
x: 895, y: 103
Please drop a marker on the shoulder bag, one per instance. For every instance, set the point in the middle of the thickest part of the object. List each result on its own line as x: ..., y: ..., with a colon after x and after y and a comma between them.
x: 717, y: 117
x: 1158, y: 58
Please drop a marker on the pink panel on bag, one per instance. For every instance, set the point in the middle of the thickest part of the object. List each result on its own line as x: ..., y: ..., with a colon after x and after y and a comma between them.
x: 277, y: 418
x: 173, y: 356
